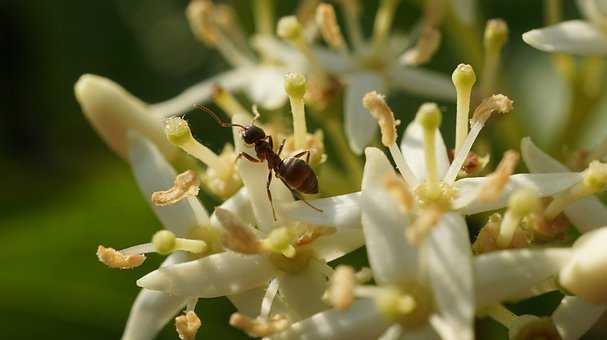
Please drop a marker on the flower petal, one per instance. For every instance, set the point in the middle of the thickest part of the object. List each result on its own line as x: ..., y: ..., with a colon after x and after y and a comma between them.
x: 575, y: 37
x: 465, y: 10
x: 422, y: 82
x: 302, y: 292
x: 593, y: 10
x: 537, y: 160
x: 392, y: 258
x: 546, y: 184
x: 425, y: 332
x: 213, y: 276
x: 412, y: 146
x: 266, y: 87
x: 502, y: 274
x: 240, y: 205
x: 334, y: 246
x: 360, y: 125
x: 362, y: 321
x: 574, y: 317
x: 449, y: 265
x: 153, y: 173
x: 341, y: 212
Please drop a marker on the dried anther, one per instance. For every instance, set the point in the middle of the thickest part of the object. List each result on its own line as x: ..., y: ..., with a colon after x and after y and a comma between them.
x: 312, y: 233
x: 259, y: 327
x: 399, y: 190
x: 496, y: 182
x: 115, y: 259
x: 186, y: 184
x: 341, y: 290
x: 498, y: 103
x: 238, y: 237
x: 187, y: 325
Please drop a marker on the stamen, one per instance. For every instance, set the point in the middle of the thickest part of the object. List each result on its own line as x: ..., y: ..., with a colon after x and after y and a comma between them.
x: 351, y: 11
x: 376, y: 105
x: 496, y: 34
x: 463, y: 78
x: 312, y: 233
x: 228, y: 21
x: 268, y: 299
x: 295, y: 86
x: 289, y: 29
x: 186, y: 185
x: 595, y: 180
x: 364, y: 275
x: 399, y: 190
x: 383, y: 21
x: 341, y: 288
x: 279, y: 241
x: 165, y: 242
x: 424, y: 49
x: 423, y: 225
x: 329, y: 28
x: 496, y: 103
x: 259, y: 327
x: 502, y: 315
x: 496, y: 182
x: 429, y: 117
x: 522, y: 203
x: 486, y: 241
x: 115, y: 259
x: 239, y: 237
x: 264, y: 16
x: 226, y: 101
x: 187, y: 325
x: 178, y: 132
x: 392, y: 303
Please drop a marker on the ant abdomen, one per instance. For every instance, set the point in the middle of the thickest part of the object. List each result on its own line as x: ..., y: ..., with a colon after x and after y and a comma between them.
x: 299, y: 175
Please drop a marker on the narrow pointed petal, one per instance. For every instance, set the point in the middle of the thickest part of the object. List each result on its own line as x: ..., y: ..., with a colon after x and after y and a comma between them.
x: 341, y: 212
x: 153, y: 173
x: 392, y: 333
x: 362, y: 321
x: 575, y: 37
x: 240, y: 205
x: 450, y: 275
x: 334, y: 246
x: 465, y: 10
x: 113, y: 112
x: 422, y: 82
x: 266, y: 88
x: 503, y: 274
x: 593, y: 10
x: 248, y: 302
x: 467, y: 189
x: 202, y: 92
x: 360, y: 125
x: 392, y: 258
x: 213, y: 276
x: 152, y: 310
x: 586, y: 214
x: 303, y: 291
x: 574, y: 317
x: 412, y: 145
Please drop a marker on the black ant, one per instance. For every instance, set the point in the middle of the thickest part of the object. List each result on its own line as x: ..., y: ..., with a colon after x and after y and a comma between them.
x: 295, y: 173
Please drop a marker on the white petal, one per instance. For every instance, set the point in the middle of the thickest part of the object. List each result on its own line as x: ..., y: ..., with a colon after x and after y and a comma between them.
x: 450, y: 275
x: 152, y: 310
x: 248, y: 302
x: 360, y: 125
x: 362, y: 321
x: 280, y: 51
x: 574, y: 317
x: 266, y: 87
x: 392, y: 258
x: 412, y: 145
x: 425, y: 332
x: 586, y: 214
x: 593, y: 10
x: 202, y: 92
x: 254, y: 177
x: 302, y: 292
x: 575, y: 37
x: 341, y: 212
x: 502, y: 274
x: 153, y: 173
x: 113, y: 111
x: 546, y: 184
x: 422, y: 82
x: 392, y: 333
x: 465, y: 10
x: 240, y: 205
x: 339, y: 244
x: 213, y: 276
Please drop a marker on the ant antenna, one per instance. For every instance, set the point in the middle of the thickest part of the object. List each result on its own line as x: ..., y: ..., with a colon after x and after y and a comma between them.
x: 216, y: 117
x: 256, y: 112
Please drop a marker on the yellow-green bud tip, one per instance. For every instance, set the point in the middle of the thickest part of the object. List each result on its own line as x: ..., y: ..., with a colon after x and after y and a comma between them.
x: 496, y: 34
x: 429, y: 116
x: 524, y: 201
x: 289, y: 28
x: 463, y: 76
x: 164, y: 242
x: 177, y: 131
x: 295, y: 84
x: 595, y: 177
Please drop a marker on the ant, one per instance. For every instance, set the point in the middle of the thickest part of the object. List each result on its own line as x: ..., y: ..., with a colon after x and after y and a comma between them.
x: 295, y: 173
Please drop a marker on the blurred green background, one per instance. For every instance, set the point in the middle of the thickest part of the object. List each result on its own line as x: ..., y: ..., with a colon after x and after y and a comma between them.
x: 64, y: 192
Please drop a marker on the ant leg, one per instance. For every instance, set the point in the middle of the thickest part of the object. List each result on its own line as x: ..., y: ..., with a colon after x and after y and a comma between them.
x: 248, y: 157
x: 270, y: 194
x: 300, y: 197
x: 282, y: 145
x: 270, y: 141
x: 307, y: 152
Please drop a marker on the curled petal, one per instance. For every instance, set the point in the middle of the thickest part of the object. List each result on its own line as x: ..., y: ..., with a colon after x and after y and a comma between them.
x: 341, y: 212
x: 576, y: 37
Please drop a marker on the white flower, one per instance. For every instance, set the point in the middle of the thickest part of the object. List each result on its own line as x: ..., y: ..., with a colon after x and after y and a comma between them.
x: 580, y: 37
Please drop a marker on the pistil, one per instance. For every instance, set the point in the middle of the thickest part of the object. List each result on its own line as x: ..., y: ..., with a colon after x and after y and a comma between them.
x: 429, y: 117
x: 522, y: 203
x: 463, y: 78
x: 295, y: 86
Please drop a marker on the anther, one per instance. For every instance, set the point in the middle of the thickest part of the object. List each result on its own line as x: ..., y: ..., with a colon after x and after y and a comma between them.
x: 522, y: 203
x: 341, y: 288
x: 186, y: 185
x: 496, y: 182
x: 463, y: 78
x: 279, y: 241
x: 259, y: 327
x: 295, y: 87
x: 400, y: 191
x: 115, y: 259
x: 238, y: 237
x: 187, y: 325
x: 424, y: 49
x: 329, y: 28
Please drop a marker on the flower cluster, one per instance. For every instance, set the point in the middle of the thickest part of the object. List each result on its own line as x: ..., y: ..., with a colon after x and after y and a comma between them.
x: 268, y: 246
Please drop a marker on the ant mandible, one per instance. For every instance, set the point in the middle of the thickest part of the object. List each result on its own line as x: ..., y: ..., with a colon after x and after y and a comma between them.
x: 295, y: 173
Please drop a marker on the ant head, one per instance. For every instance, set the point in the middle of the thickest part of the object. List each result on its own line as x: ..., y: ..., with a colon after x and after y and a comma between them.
x: 252, y: 134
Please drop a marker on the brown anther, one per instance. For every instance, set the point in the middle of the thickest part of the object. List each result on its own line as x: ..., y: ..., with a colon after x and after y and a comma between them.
x: 115, y: 259
x: 341, y: 289
x: 497, y: 103
x: 186, y: 185
x: 312, y: 233
x: 496, y: 182
x: 238, y: 237
x: 399, y: 190
x: 376, y: 105
x: 259, y: 327
x: 486, y: 241
x: 423, y: 225
x: 425, y: 48
x: 329, y: 28
x: 545, y: 230
x: 187, y: 325
x: 364, y: 275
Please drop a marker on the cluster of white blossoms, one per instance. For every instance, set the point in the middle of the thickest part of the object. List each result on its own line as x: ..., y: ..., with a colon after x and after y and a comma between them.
x: 268, y: 247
